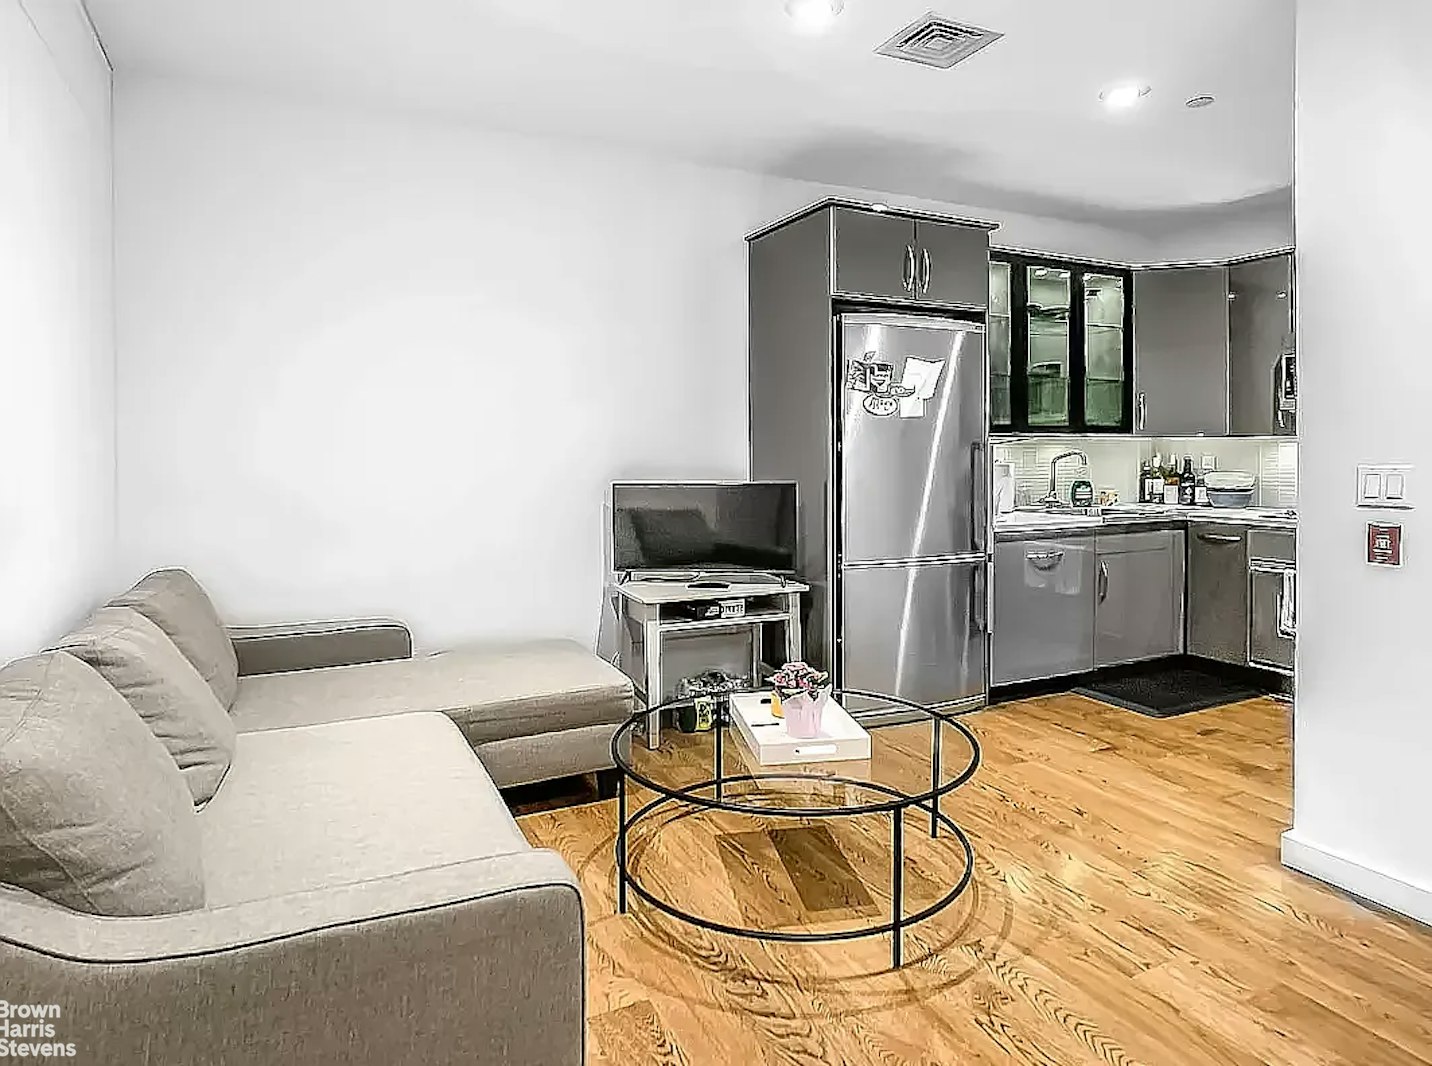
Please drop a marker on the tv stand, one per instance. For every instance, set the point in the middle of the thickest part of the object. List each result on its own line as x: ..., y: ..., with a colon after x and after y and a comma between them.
x: 647, y: 617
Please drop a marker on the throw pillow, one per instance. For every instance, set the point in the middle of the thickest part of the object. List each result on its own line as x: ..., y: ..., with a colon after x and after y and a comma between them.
x: 143, y: 665
x: 177, y: 604
x: 93, y: 813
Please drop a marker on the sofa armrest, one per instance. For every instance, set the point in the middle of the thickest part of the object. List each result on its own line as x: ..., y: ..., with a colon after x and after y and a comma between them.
x: 480, y: 961
x: 311, y: 645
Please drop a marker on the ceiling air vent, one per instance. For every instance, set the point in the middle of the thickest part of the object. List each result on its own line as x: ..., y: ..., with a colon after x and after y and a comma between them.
x: 936, y: 41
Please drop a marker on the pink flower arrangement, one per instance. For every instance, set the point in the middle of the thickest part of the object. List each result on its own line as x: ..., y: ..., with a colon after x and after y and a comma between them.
x: 799, y: 679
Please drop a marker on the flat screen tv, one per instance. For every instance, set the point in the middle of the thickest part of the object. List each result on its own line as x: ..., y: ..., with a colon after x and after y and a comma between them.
x: 705, y: 527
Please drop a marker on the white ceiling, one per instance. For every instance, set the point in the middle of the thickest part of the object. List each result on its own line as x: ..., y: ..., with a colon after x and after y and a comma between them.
x: 1018, y: 126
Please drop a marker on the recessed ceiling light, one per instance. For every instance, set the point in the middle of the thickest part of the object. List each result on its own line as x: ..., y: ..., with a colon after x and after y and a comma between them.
x: 814, y: 16
x: 1200, y: 101
x: 1126, y: 95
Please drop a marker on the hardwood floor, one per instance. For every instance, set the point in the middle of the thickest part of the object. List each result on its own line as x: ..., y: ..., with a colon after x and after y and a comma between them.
x: 1127, y: 906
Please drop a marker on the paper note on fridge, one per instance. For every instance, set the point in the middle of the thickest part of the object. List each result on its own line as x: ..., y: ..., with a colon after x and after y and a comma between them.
x: 922, y: 377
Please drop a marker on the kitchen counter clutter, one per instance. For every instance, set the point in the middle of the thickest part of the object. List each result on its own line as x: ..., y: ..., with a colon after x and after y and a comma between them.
x: 1022, y: 525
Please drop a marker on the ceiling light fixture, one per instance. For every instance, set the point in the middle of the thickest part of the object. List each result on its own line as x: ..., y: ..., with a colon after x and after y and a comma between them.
x: 814, y: 16
x: 1200, y: 101
x: 1124, y: 96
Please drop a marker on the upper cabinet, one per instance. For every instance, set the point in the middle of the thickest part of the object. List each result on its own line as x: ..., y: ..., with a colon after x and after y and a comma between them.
x: 1061, y: 352
x: 1214, y: 349
x: 1181, y: 354
x: 1262, y: 355
x: 892, y: 258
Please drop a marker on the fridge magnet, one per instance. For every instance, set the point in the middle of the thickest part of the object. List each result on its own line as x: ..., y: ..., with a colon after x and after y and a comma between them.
x: 877, y: 381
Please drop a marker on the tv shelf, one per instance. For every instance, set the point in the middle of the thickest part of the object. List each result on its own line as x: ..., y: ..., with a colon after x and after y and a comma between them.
x: 649, y: 613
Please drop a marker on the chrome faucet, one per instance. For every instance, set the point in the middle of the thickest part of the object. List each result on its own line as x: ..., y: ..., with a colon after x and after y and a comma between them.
x: 1052, y: 500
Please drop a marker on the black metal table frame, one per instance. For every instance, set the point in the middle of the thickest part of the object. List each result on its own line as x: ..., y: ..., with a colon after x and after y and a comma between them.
x: 896, y: 806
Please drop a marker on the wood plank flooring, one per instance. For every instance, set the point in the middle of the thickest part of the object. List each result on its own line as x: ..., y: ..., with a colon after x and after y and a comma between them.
x: 1127, y: 906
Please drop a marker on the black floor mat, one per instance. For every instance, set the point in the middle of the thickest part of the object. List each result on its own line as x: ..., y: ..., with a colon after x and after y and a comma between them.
x: 1167, y: 691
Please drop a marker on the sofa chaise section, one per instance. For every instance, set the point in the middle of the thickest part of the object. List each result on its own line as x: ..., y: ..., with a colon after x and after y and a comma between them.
x: 532, y: 711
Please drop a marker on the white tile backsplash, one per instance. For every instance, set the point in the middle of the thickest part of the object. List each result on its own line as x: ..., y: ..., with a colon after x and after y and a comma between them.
x: 1114, y: 463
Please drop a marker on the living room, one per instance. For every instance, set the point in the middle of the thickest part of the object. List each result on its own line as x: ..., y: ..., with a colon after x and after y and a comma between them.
x: 332, y: 334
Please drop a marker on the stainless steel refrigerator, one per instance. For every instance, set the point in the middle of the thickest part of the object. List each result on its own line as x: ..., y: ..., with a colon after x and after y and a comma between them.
x: 912, y: 544
x: 869, y: 388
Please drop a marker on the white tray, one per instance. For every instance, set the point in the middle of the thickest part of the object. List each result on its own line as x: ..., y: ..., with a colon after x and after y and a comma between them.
x: 841, y: 738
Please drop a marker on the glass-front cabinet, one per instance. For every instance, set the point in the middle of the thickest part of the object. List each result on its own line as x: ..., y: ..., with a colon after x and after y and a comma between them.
x: 1106, y: 384
x: 999, y: 343
x: 1061, y: 346
x: 1047, y: 316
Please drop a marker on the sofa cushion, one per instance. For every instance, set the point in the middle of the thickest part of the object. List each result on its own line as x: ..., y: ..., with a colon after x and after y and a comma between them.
x: 143, y: 665
x: 94, y: 814
x: 176, y: 603
x: 492, y: 693
x: 324, y: 805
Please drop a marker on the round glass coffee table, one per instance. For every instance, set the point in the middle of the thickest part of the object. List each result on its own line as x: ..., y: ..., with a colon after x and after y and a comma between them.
x: 719, y: 774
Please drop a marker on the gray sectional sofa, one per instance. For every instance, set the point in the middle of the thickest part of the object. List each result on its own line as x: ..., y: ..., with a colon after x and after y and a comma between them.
x: 287, y: 845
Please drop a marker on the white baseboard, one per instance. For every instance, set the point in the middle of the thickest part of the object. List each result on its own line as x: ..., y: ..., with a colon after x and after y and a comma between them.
x: 1383, y: 889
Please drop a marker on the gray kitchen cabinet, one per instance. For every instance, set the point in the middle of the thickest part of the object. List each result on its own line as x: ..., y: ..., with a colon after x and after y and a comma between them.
x: 1260, y: 339
x: 875, y: 255
x: 1218, y: 592
x: 952, y: 264
x: 1181, y: 326
x: 889, y: 257
x: 1043, y: 609
x: 1270, y: 644
x: 1272, y: 599
x: 1138, y: 612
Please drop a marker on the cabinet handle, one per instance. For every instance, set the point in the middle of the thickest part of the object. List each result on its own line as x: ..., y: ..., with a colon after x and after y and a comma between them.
x: 1220, y: 538
x: 1103, y: 581
x: 1143, y: 410
x: 926, y: 270
x: 909, y: 276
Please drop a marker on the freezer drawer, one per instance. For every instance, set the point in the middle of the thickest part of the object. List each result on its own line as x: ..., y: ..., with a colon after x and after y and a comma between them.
x: 917, y: 631
x: 1043, y: 610
x: 1271, y: 644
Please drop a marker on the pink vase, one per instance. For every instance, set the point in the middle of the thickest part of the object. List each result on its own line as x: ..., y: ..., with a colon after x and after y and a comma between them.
x: 803, y: 715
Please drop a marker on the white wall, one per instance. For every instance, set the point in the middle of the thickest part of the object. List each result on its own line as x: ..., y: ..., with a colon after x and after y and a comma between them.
x: 378, y: 363
x: 1263, y: 224
x: 1363, y: 728
x: 56, y: 322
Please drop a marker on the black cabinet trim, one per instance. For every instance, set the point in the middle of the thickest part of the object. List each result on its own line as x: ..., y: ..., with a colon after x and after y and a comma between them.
x: 1019, y: 264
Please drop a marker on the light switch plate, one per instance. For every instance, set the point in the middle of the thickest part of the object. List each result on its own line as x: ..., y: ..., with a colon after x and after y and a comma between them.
x: 1384, y: 485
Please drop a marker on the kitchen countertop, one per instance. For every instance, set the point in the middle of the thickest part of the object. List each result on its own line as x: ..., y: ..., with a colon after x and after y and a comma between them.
x: 1022, y: 525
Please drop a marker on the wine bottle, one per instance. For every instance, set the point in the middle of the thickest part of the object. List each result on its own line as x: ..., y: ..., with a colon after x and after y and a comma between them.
x: 1187, y: 484
x: 1146, y: 473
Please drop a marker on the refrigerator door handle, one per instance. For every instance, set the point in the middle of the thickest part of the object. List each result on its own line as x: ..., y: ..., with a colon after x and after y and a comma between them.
x: 980, y: 594
x: 979, y: 498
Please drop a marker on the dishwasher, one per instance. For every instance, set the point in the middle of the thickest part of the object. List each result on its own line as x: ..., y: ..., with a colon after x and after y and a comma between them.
x: 1043, y: 609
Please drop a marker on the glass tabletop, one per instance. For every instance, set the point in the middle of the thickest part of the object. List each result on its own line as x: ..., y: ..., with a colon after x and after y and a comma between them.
x: 914, y: 763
